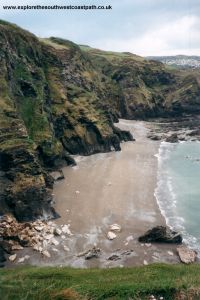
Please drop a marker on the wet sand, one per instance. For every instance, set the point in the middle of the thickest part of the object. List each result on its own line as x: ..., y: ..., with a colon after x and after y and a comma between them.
x: 115, y: 187
x: 103, y: 189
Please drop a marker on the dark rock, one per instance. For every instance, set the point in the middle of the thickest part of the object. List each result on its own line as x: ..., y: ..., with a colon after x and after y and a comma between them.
x: 161, y: 234
x: 154, y: 137
x: 114, y: 257
x: 6, y: 246
x: 70, y: 160
x: 172, y: 138
x: 2, y: 257
x: 93, y: 253
x: 57, y: 175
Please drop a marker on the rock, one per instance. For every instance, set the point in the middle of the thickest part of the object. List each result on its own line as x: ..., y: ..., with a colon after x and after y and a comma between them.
x: 127, y: 252
x: 154, y: 137
x: 114, y: 257
x: 172, y: 138
x: 6, y: 246
x: 54, y: 242
x: 187, y: 255
x: 57, y: 231
x: 111, y: 235
x: 48, y: 237
x: 38, y: 248
x: 77, y: 192
x: 55, y: 250
x: 170, y: 253
x: 57, y: 175
x: 147, y: 245
x: 17, y: 247
x: 39, y: 228
x: 2, y: 257
x: 66, y: 248
x: 145, y: 263
x: 46, y: 253
x: 93, y: 253
x: 82, y: 253
x: 22, y: 259
x: 161, y: 234
x: 65, y: 229
x: 115, y: 228
x: 12, y: 257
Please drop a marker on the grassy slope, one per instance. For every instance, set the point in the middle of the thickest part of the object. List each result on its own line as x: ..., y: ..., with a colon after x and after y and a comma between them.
x: 137, y: 283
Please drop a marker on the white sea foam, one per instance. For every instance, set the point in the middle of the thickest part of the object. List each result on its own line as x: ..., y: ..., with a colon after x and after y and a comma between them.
x: 166, y: 196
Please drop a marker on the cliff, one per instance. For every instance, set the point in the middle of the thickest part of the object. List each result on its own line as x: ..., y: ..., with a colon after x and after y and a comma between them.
x: 58, y: 98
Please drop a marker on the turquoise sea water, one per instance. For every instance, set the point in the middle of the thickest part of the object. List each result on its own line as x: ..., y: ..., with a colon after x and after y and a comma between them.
x: 178, y: 188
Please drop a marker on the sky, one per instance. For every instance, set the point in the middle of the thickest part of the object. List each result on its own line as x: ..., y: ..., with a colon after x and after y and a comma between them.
x: 143, y: 27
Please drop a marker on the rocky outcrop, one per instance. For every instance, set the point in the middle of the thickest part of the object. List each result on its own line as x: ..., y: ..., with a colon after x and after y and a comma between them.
x: 173, y: 130
x: 161, y: 234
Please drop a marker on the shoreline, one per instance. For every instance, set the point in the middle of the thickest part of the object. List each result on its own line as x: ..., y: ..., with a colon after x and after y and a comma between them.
x: 146, y: 213
x: 104, y: 189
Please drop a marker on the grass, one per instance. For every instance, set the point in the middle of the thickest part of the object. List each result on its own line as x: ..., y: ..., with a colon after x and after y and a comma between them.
x: 128, y: 283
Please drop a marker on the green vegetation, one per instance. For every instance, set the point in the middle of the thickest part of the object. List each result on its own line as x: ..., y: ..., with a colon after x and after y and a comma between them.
x: 129, y: 283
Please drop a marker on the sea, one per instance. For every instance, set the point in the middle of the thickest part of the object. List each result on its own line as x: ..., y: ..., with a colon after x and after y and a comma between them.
x: 178, y: 189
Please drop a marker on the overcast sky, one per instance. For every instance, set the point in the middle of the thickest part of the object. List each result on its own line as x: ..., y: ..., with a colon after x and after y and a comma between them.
x: 143, y: 27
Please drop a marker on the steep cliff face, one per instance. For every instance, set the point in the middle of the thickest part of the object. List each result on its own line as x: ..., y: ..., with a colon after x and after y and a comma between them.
x: 52, y: 105
x: 58, y: 98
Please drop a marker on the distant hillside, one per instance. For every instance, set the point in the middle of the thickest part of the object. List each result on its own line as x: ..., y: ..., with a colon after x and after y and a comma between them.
x: 180, y: 61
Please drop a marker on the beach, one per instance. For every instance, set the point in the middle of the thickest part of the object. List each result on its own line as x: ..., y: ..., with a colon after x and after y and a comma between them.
x: 102, y: 190
x: 108, y: 188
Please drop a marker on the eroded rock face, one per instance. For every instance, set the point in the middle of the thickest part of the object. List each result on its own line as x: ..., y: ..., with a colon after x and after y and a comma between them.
x: 161, y: 234
x: 28, y: 193
x: 51, y: 106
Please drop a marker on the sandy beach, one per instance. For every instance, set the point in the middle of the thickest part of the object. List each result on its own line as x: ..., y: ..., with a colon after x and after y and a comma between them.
x: 105, y: 189
x: 108, y: 188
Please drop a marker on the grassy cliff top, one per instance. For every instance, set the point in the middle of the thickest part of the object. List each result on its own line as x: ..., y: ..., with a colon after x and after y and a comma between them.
x: 167, y: 281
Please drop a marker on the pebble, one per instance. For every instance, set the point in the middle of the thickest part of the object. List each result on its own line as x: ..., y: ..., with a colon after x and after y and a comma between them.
x: 114, y: 257
x: 54, y: 242
x: 57, y: 231
x: 66, y: 248
x: 115, y: 228
x: 17, y: 247
x: 22, y: 259
x: 46, y: 253
x: 38, y: 248
x: 65, y: 229
x: 111, y: 235
x: 145, y: 262
x: 55, y: 250
x: 12, y: 257
x: 170, y: 253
